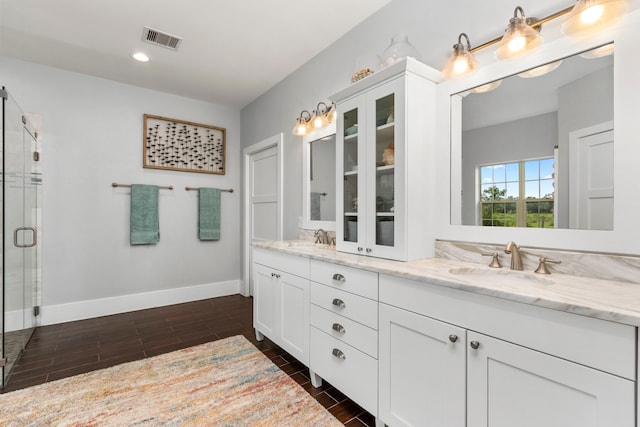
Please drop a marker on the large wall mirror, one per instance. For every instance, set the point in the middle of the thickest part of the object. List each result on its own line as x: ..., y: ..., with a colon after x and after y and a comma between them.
x: 537, y: 148
x: 319, y: 198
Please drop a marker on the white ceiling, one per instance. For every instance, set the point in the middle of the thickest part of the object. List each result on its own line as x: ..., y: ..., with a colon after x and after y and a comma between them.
x: 232, y: 50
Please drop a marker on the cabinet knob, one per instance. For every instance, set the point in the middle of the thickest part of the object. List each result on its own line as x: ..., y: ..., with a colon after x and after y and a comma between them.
x: 359, y: 248
x: 368, y: 250
x: 339, y: 328
x: 453, y: 338
x: 474, y: 345
x: 338, y: 303
x: 338, y: 354
x: 273, y: 274
x: 339, y: 277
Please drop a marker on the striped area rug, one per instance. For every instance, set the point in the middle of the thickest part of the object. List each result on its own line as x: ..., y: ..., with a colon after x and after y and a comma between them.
x: 221, y: 383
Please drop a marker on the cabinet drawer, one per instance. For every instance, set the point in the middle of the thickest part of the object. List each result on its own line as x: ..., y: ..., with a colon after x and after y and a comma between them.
x: 600, y: 344
x: 352, y: 306
x: 296, y: 265
x: 349, y: 370
x: 348, y: 279
x: 353, y: 333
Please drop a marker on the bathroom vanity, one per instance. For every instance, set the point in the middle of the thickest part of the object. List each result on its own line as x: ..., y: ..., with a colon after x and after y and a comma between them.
x: 453, y: 343
x: 448, y: 341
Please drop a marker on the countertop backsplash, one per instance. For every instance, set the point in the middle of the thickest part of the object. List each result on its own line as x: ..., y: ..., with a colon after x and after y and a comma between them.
x: 624, y: 268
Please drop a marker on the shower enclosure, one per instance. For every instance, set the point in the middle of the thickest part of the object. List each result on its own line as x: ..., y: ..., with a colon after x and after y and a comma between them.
x: 20, y: 195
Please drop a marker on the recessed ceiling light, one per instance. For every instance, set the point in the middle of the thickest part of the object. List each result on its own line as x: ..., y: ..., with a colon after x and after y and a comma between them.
x: 139, y: 56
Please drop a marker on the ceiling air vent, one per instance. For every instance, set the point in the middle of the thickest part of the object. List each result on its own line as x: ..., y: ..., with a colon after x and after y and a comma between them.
x: 161, y: 39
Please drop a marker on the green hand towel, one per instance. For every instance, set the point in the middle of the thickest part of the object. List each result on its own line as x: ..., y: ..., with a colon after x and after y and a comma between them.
x: 209, y: 214
x: 145, y: 226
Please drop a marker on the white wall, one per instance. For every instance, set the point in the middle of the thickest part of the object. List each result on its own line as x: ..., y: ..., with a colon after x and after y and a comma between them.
x: 92, y: 136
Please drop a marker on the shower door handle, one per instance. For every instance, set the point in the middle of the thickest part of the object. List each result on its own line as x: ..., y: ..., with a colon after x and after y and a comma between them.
x: 30, y: 245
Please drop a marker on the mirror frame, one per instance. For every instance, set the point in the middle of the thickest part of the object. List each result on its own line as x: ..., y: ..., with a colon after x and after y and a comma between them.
x: 307, y: 139
x: 626, y: 153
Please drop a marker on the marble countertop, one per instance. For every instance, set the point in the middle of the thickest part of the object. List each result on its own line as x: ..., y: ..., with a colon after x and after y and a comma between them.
x: 603, y: 299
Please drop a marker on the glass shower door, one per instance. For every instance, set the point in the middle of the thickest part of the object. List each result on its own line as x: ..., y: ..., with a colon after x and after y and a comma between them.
x: 21, y: 181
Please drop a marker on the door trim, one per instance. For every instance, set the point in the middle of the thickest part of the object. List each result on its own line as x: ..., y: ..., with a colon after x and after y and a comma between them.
x: 274, y: 141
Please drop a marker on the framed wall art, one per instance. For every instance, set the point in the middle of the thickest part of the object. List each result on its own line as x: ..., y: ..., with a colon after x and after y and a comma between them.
x: 183, y: 146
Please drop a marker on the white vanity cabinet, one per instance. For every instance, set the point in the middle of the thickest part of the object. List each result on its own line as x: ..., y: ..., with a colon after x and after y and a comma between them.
x: 385, y: 135
x: 281, y: 301
x: 454, y: 358
x: 344, y: 331
x: 510, y: 385
x: 422, y: 370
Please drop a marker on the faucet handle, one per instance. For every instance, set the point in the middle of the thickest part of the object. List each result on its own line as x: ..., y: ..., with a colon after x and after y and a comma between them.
x: 495, y: 262
x: 542, y: 267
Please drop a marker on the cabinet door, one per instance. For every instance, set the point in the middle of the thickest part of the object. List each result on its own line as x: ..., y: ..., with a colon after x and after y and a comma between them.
x: 350, y: 183
x: 293, y: 309
x: 264, y: 300
x: 509, y: 385
x: 385, y: 174
x: 421, y: 370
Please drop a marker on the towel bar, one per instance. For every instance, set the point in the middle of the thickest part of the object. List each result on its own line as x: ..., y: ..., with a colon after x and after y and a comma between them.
x: 230, y: 190
x: 166, y: 187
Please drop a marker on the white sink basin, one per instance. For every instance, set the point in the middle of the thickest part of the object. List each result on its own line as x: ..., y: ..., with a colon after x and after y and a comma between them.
x: 501, y: 276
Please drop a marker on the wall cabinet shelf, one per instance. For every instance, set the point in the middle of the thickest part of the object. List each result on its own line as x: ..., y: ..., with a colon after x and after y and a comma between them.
x: 384, y: 136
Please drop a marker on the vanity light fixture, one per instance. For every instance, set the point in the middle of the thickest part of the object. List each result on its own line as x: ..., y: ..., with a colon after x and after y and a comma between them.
x: 320, y: 117
x: 302, y: 123
x: 523, y: 34
x: 140, y: 56
x: 519, y: 37
x: 541, y: 70
x: 591, y: 15
x: 461, y: 61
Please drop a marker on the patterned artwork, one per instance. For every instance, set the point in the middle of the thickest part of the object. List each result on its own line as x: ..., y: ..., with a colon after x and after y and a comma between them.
x: 183, y: 146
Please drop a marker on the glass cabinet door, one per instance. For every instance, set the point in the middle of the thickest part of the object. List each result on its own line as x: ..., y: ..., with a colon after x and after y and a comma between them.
x: 351, y: 160
x: 385, y: 170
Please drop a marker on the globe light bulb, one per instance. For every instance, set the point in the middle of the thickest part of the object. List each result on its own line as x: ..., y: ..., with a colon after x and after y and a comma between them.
x: 460, y: 66
x: 517, y: 44
x: 592, y: 14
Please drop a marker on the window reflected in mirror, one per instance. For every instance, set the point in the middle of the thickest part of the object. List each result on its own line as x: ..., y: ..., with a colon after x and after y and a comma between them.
x: 537, y: 149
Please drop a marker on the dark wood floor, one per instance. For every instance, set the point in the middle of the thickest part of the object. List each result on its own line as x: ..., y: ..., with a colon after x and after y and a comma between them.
x: 66, y: 349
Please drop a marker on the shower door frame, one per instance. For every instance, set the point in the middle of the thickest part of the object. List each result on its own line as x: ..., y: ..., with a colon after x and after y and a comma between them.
x: 21, y: 181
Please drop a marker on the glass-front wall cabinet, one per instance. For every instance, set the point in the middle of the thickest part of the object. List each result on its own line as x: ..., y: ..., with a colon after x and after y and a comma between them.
x: 384, y: 146
x: 369, y: 167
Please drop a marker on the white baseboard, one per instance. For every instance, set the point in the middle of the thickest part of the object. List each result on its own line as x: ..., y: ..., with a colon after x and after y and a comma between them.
x: 52, y: 314
x: 14, y: 320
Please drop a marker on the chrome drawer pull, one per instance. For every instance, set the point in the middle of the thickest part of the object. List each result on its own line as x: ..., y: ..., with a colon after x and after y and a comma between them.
x: 339, y: 354
x: 338, y: 303
x: 453, y: 338
x: 474, y: 345
x: 339, y: 277
x: 339, y: 328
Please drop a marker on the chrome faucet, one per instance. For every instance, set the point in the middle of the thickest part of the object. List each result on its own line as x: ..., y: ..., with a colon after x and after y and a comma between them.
x: 516, y: 259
